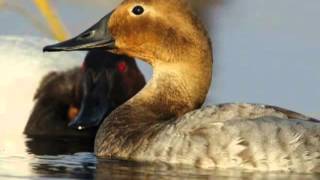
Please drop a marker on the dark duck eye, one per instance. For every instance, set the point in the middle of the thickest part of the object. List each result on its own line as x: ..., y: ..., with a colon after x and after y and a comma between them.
x: 138, y: 10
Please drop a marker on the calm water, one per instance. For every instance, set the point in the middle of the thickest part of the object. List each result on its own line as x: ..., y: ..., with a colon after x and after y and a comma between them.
x: 72, y: 159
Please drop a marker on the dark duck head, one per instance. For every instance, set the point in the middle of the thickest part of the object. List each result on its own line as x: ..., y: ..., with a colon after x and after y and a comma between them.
x: 83, y: 95
x: 106, y: 85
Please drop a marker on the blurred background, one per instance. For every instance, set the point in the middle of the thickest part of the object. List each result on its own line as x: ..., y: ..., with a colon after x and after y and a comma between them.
x: 266, y: 51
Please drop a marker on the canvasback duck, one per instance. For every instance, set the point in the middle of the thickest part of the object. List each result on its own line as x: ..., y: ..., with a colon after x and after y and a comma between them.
x: 162, y: 123
x: 91, y: 92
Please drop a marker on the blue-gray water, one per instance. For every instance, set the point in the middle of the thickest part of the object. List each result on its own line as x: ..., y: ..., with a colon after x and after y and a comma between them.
x: 63, y: 163
x: 266, y: 51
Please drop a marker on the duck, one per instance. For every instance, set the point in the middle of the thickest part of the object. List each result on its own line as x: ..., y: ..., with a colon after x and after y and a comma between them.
x: 102, y: 83
x: 165, y: 122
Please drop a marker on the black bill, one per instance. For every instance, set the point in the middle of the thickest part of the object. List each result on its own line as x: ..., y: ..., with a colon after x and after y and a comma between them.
x: 96, y: 102
x: 97, y: 36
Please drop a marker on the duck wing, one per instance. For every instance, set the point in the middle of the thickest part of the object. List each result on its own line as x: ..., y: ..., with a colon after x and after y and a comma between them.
x: 246, y: 136
x: 246, y: 110
x: 292, y: 114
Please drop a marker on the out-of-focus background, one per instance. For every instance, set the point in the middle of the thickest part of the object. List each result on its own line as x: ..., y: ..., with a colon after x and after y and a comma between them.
x: 266, y: 51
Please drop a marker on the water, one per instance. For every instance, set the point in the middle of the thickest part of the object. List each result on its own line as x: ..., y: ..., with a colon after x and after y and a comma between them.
x: 248, y: 36
x: 49, y: 158
x: 65, y: 159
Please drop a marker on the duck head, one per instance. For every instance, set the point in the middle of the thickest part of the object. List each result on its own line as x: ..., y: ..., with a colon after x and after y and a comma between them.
x: 109, y: 80
x: 165, y: 34
x: 81, y: 95
x: 138, y: 28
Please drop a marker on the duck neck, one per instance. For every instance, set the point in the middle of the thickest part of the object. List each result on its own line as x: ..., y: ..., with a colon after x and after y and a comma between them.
x: 181, y: 79
x: 175, y: 88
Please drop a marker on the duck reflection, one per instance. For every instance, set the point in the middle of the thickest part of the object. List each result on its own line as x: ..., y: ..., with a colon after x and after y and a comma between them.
x: 78, y: 166
x: 120, y: 169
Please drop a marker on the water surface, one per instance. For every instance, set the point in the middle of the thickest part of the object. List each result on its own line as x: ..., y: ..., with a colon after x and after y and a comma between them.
x: 73, y: 159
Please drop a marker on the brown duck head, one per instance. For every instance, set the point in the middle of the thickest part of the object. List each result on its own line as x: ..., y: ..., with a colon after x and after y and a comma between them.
x: 165, y: 34
x: 138, y: 28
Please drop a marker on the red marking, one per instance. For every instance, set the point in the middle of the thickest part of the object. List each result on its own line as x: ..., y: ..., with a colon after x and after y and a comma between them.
x: 122, y: 67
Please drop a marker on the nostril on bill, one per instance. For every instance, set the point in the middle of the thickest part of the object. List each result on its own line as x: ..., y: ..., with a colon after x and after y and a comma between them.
x: 87, y: 35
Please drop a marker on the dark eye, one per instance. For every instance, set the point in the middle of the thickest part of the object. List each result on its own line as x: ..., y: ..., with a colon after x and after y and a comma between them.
x: 138, y: 10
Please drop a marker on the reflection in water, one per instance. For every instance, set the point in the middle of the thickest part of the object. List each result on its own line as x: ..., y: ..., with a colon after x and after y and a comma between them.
x: 58, y: 146
x: 71, y: 158
x: 61, y: 157
x: 79, y: 165
x: 125, y: 169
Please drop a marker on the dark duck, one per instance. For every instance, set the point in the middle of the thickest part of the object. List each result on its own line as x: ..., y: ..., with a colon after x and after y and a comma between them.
x: 88, y: 93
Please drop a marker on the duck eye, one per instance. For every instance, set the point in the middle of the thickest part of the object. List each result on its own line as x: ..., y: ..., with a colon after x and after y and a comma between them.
x: 138, y: 10
x: 122, y: 67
